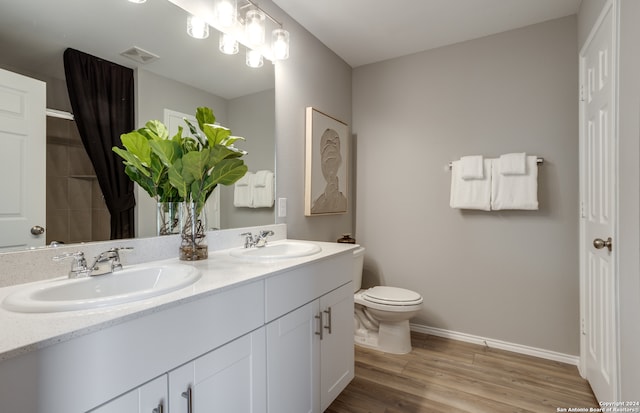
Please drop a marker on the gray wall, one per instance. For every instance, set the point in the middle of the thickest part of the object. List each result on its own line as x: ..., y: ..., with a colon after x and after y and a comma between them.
x: 312, y: 76
x: 252, y: 117
x: 627, y: 236
x: 510, y: 276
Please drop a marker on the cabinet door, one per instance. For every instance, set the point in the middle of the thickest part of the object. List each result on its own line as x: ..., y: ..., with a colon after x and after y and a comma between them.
x: 149, y: 398
x: 336, y: 346
x: 293, y: 362
x: 228, y: 379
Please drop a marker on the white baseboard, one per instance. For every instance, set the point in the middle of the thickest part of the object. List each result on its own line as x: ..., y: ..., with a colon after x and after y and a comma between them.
x: 499, y: 344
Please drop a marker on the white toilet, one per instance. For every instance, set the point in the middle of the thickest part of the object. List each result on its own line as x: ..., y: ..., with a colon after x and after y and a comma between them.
x: 381, y: 314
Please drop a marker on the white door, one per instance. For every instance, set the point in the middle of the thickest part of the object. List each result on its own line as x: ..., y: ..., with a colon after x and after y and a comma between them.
x: 22, y: 161
x: 173, y: 120
x: 598, y: 200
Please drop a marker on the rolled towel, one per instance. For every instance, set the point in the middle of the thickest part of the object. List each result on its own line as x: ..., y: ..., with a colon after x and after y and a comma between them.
x: 513, y: 164
x: 471, y: 167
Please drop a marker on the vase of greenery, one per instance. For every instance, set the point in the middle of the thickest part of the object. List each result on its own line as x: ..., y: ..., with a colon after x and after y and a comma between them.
x: 188, y: 168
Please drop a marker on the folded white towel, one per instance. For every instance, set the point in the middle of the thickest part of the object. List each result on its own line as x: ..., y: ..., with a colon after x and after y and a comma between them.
x: 515, y: 191
x: 242, y: 191
x: 471, y: 193
x: 513, y: 164
x: 262, y: 190
x: 472, y: 167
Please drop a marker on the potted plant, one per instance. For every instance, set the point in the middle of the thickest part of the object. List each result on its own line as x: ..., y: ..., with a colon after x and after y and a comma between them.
x: 185, y: 168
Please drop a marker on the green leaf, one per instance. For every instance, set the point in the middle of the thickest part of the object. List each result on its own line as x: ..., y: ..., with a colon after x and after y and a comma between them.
x: 131, y: 160
x: 177, y: 179
x: 205, y: 116
x: 215, y: 134
x: 145, y: 182
x: 196, y: 164
x: 195, y: 134
x: 229, y: 171
x: 137, y: 144
x: 158, y: 128
x: 167, y: 151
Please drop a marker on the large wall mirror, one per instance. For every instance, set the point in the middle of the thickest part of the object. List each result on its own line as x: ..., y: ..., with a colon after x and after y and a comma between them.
x: 187, y: 73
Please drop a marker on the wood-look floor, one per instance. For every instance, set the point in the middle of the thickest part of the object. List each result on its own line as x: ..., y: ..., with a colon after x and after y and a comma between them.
x: 449, y: 376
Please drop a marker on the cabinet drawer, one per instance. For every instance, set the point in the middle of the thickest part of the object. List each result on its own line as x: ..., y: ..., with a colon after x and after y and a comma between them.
x: 289, y: 290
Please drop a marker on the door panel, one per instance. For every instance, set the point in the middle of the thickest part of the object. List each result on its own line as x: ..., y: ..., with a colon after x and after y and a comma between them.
x: 598, y: 200
x: 22, y: 160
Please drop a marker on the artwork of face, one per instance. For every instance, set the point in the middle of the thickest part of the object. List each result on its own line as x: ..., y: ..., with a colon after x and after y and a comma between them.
x: 330, y: 154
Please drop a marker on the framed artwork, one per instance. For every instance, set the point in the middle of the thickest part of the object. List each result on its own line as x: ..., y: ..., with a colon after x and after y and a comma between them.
x: 326, y: 164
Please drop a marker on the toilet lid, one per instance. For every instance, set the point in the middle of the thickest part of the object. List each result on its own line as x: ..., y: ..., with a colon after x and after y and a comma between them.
x: 392, y: 296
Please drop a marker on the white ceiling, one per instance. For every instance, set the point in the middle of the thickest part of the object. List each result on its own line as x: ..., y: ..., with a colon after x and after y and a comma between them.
x: 363, y: 32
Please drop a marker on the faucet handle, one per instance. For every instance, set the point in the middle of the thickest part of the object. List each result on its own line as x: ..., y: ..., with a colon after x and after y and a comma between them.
x: 116, y: 265
x: 248, y: 239
x: 79, y: 264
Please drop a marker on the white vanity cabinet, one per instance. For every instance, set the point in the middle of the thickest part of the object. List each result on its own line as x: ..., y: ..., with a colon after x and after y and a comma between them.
x: 231, y: 378
x: 148, y: 398
x: 309, y: 350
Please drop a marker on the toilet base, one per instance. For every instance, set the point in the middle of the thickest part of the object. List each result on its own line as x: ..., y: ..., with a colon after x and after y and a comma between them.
x: 394, y: 338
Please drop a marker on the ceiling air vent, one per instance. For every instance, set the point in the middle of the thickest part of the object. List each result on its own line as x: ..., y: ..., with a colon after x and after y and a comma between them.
x: 139, y: 55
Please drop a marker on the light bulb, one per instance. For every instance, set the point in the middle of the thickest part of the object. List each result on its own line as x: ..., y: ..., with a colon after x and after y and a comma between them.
x: 280, y: 44
x: 197, y: 28
x: 226, y: 12
x: 254, y: 58
x: 228, y: 45
x: 254, y: 27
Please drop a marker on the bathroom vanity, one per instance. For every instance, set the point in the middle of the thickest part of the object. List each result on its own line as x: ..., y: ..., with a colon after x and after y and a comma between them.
x: 251, y: 335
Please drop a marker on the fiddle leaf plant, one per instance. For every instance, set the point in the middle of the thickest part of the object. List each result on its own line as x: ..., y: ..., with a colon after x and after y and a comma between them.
x: 182, y: 168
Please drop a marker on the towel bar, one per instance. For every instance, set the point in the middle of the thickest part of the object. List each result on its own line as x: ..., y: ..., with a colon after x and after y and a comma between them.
x: 539, y: 161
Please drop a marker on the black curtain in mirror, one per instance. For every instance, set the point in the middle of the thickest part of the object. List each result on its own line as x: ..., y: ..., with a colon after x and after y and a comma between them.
x: 101, y: 95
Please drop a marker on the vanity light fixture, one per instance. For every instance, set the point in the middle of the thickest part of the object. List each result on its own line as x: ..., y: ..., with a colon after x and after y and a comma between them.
x: 280, y: 44
x: 243, y: 21
x: 228, y: 45
x: 225, y: 12
x: 254, y: 59
x: 197, y: 28
x: 137, y: 1
x: 254, y: 26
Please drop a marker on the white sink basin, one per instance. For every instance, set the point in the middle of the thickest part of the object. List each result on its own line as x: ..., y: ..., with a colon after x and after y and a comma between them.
x: 131, y: 284
x: 277, y: 251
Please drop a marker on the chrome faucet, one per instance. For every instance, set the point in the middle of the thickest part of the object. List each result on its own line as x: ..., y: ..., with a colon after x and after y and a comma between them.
x: 105, y: 263
x: 257, y: 241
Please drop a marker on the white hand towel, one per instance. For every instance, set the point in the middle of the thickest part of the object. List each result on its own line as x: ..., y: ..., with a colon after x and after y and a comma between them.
x: 242, y: 191
x: 471, y: 167
x: 513, y: 164
x: 262, y: 190
x: 472, y: 193
x: 515, y: 191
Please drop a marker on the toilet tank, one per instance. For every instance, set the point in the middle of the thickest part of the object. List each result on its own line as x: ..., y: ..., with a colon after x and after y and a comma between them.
x: 358, y: 256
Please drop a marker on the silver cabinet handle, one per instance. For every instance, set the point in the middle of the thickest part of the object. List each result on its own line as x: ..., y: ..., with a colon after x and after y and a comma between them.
x: 159, y: 409
x: 189, y: 396
x: 328, y: 326
x: 599, y: 243
x: 321, y: 333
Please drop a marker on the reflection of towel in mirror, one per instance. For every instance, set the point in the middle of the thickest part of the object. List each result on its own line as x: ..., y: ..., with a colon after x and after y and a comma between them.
x: 242, y: 192
x: 262, y: 189
x: 515, y: 191
x: 513, y: 164
x: 470, y: 193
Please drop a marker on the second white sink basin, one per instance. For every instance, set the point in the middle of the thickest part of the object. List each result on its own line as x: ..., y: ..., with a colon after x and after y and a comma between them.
x: 131, y: 284
x: 277, y: 251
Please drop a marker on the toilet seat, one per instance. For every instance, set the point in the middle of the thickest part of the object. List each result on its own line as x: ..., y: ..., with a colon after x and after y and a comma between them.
x: 392, y: 296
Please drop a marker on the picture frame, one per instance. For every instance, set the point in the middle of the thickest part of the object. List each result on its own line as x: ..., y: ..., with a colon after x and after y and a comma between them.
x: 326, y: 164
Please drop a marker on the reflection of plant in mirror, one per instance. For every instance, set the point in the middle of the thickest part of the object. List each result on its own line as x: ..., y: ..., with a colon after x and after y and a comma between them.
x: 182, y: 168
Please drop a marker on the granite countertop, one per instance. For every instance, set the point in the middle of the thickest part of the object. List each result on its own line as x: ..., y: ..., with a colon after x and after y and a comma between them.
x: 25, y: 332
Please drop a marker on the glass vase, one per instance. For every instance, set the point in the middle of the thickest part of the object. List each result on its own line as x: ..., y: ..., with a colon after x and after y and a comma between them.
x: 193, y: 246
x: 169, y: 217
